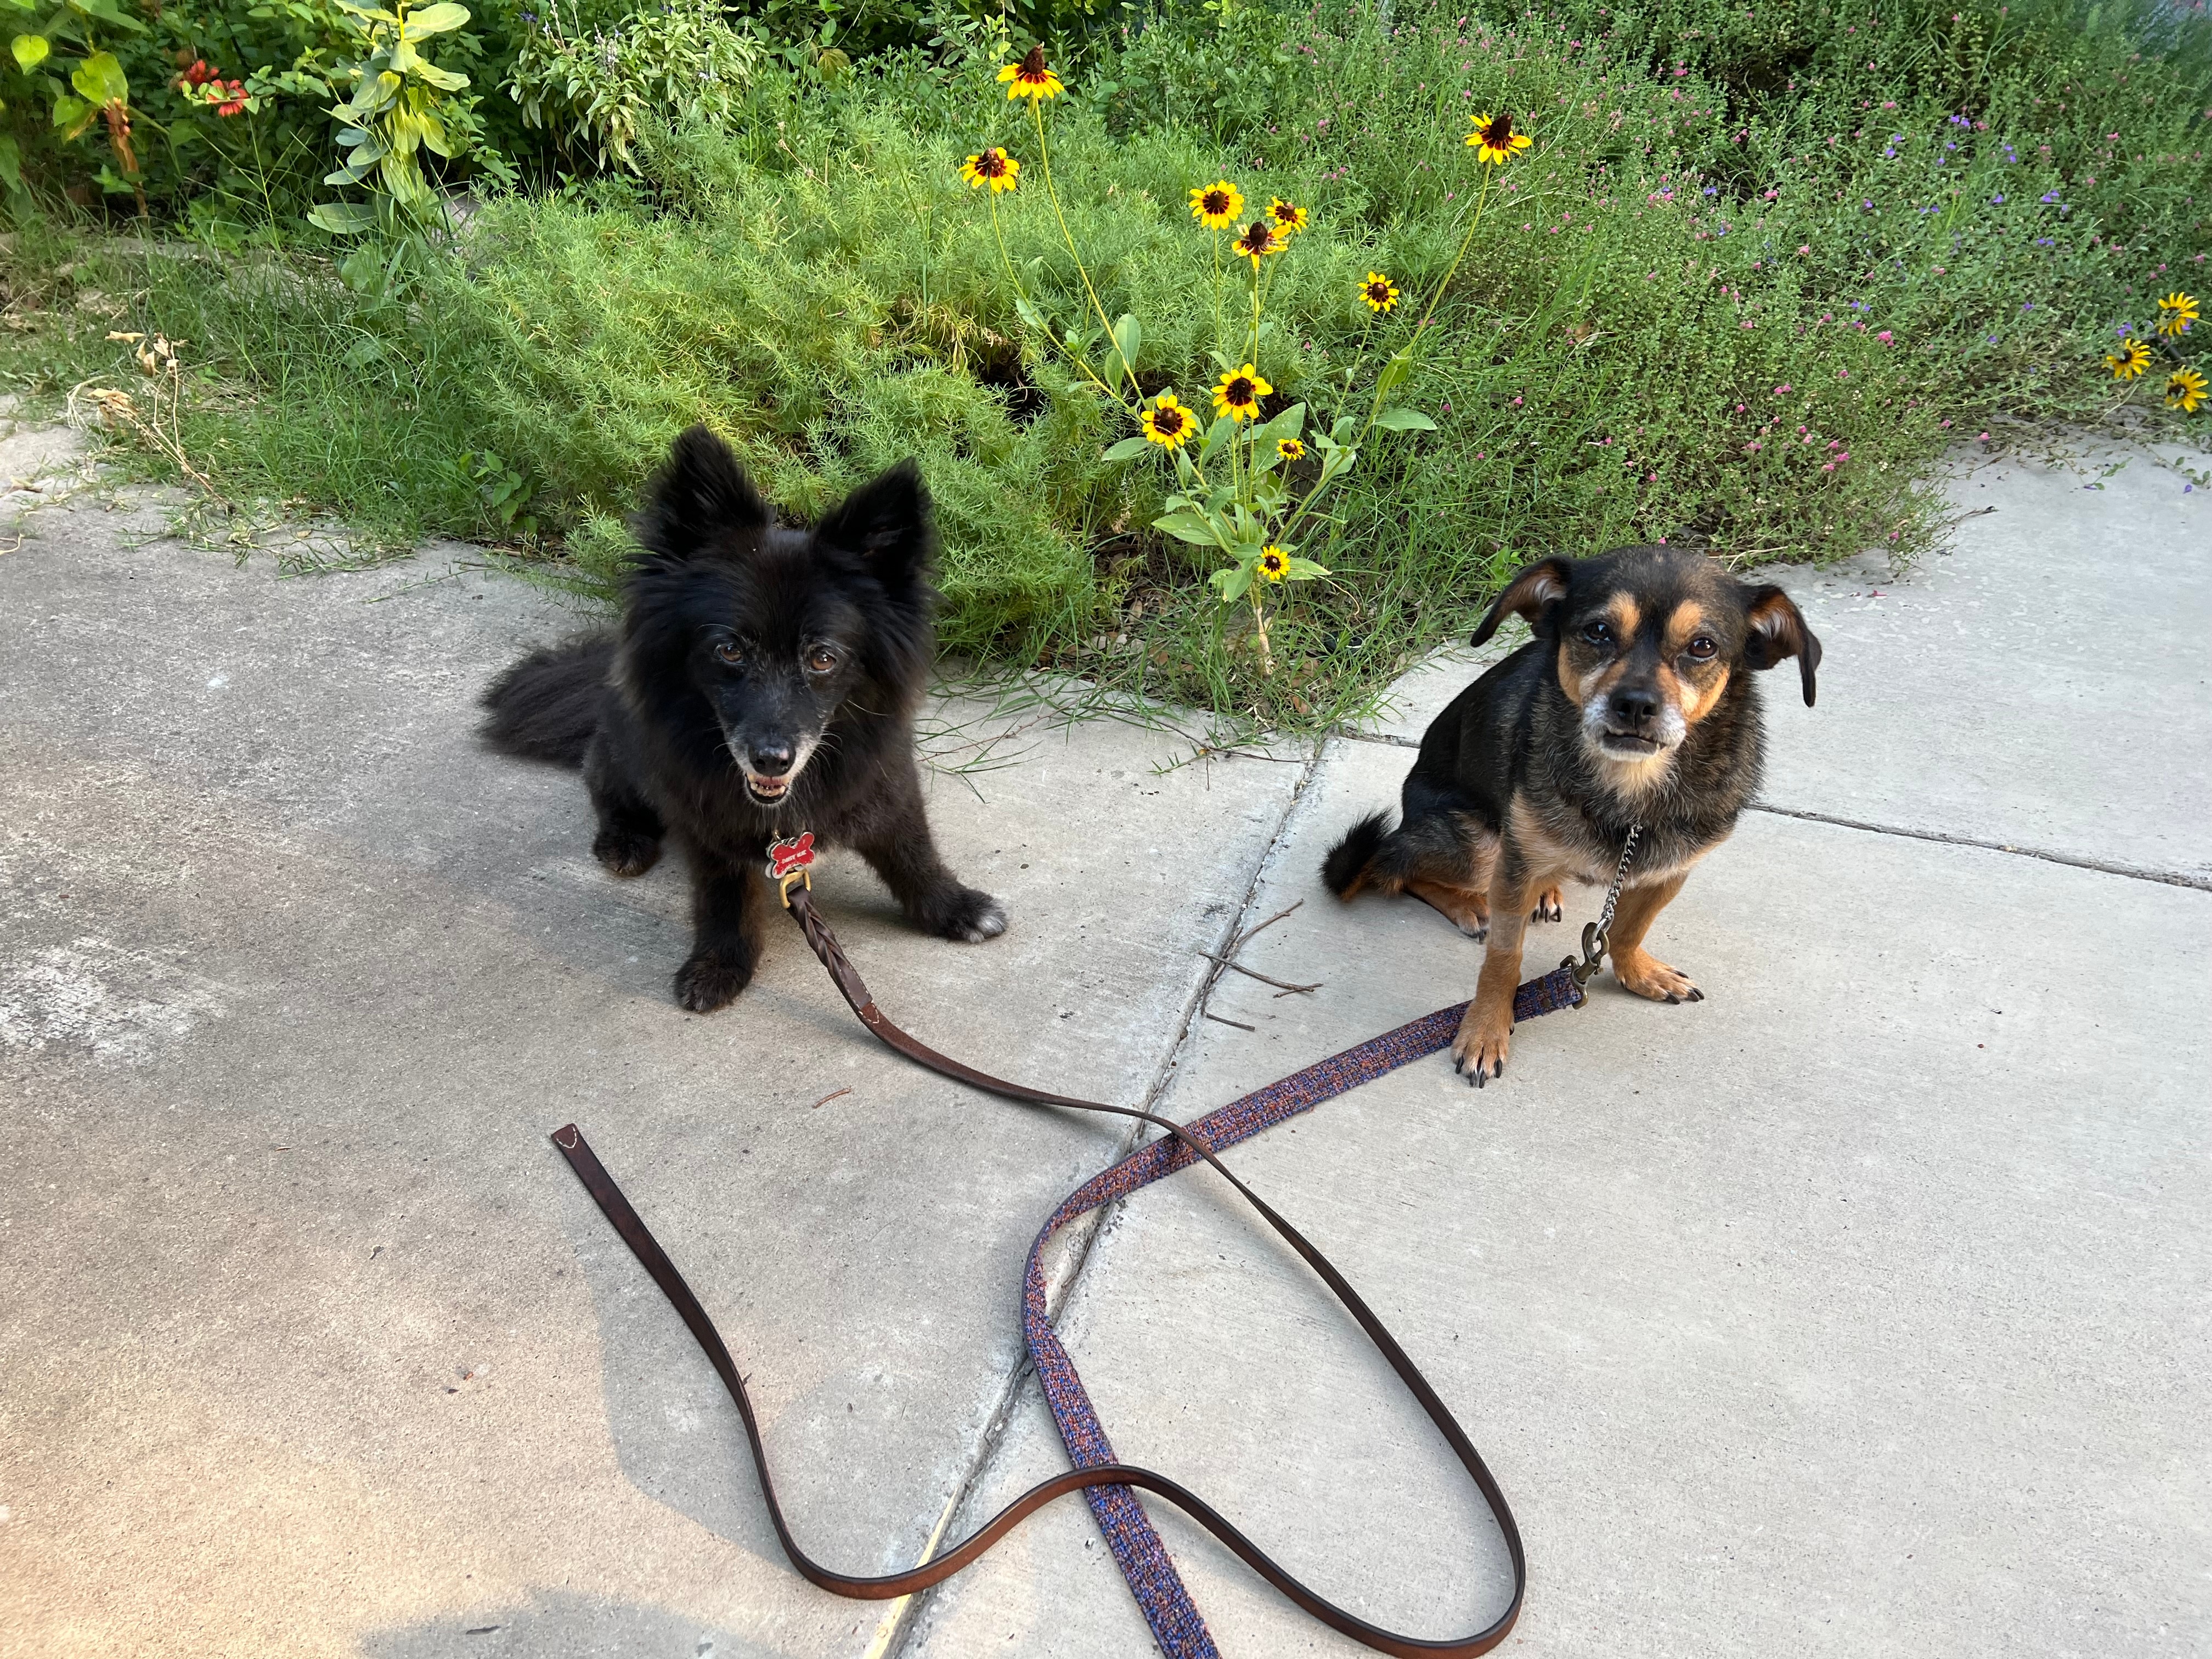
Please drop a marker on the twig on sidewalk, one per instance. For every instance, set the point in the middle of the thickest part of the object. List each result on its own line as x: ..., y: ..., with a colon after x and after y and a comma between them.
x: 1217, y: 1020
x: 827, y: 1098
x: 1227, y: 960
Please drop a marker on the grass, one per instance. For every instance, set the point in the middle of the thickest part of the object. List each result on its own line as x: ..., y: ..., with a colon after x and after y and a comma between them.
x: 1762, y: 266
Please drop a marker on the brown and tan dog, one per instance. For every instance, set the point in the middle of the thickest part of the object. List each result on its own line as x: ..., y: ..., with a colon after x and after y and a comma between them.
x: 1630, y: 706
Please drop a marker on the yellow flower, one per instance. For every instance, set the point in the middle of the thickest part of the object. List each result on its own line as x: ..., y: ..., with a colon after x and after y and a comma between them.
x: 2175, y: 314
x: 1167, y: 423
x: 1494, y: 141
x: 1379, y: 291
x: 1289, y: 449
x: 1257, y: 241
x: 1239, y: 393
x: 1274, y: 563
x: 2184, y: 390
x: 2129, y: 360
x: 994, y: 167
x: 1217, y: 205
x: 1030, y: 78
x: 1286, y: 217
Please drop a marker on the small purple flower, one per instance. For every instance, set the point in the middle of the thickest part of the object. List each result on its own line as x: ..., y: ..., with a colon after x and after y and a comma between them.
x: 1996, y: 201
x: 2051, y: 196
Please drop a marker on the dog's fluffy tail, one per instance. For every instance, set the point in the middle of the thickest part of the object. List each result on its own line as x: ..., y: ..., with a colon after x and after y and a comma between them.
x: 1350, y: 865
x: 546, y: 707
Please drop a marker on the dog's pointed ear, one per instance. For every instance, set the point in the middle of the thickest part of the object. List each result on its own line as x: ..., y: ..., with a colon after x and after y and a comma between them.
x: 701, y: 495
x: 1778, y: 630
x: 887, y: 522
x: 1531, y: 595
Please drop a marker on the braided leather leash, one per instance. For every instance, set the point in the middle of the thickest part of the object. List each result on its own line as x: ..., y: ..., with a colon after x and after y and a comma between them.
x: 1106, y: 1482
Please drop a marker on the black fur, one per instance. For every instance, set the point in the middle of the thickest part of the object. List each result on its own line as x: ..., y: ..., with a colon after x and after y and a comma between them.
x: 762, y: 682
x: 1634, y: 704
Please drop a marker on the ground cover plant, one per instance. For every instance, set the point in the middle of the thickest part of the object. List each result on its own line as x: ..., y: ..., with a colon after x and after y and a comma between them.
x: 1756, y: 268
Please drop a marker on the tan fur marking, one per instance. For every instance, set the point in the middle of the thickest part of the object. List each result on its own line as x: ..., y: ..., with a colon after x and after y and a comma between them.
x: 1626, y: 619
x: 1682, y: 627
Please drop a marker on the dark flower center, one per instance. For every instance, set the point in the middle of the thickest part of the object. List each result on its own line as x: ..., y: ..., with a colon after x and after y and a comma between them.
x: 1239, y: 391
x: 991, y: 164
x: 1378, y: 291
x: 1499, y: 133
x: 1256, y: 239
x: 1167, y: 421
x: 1215, y: 202
x: 1033, y: 69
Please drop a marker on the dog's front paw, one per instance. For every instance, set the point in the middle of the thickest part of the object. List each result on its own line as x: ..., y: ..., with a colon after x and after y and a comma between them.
x: 970, y: 917
x: 1551, y: 905
x: 1479, y: 1050
x: 1648, y: 977
x: 626, y: 852
x: 712, y: 979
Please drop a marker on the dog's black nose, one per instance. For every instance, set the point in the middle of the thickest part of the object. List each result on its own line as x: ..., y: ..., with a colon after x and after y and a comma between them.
x: 1635, y: 705
x: 771, y: 760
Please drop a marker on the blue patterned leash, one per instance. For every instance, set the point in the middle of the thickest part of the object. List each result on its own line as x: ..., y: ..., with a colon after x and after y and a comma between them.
x: 1108, y: 1485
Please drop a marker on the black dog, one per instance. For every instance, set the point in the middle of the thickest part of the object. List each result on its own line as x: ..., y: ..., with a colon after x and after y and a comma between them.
x: 764, y: 682
x: 1630, y: 707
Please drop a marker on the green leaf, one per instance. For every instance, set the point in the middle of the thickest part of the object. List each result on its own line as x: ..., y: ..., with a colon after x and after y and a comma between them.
x: 1030, y: 315
x: 108, y: 13
x: 100, y: 79
x: 12, y: 163
x: 1234, y: 582
x: 343, y: 218
x: 1394, y: 372
x: 1290, y: 423
x: 444, y: 80
x: 1346, y: 429
x: 72, y: 115
x: 1129, y: 336
x: 30, y: 50
x: 1188, y: 527
x: 435, y: 20
x: 1222, y: 428
x: 1404, y: 420
x: 1303, y: 570
x: 1128, y: 449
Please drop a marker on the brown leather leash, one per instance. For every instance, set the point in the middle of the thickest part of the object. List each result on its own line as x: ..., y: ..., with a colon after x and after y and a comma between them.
x: 1105, y: 1480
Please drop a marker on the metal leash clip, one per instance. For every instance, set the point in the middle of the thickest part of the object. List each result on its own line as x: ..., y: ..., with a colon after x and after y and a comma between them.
x: 1597, y: 934
x: 788, y: 864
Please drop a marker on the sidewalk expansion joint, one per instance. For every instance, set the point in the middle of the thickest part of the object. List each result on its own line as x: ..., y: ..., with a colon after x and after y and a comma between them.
x: 896, y: 1633
x: 2048, y: 855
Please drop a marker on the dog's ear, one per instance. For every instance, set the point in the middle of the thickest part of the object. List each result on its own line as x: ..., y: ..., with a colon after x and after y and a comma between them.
x: 1531, y: 595
x: 702, y: 495
x: 1779, y: 631
x: 886, y: 521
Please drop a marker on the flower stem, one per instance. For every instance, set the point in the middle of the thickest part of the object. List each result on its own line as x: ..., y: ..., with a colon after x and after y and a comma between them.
x: 1044, y: 163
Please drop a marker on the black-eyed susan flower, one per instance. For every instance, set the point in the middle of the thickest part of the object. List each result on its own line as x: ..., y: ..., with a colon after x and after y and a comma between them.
x: 1274, y: 563
x: 1030, y: 78
x: 2129, y: 360
x: 1239, y: 393
x: 994, y: 167
x: 1379, y: 291
x: 1289, y: 449
x: 2175, y: 314
x: 1167, y: 423
x: 1257, y: 241
x: 1217, y: 205
x: 2184, y: 390
x: 1494, y: 141
x: 1285, y: 216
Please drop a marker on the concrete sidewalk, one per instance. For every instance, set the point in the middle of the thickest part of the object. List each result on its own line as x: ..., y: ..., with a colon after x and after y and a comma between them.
x: 1858, y: 1309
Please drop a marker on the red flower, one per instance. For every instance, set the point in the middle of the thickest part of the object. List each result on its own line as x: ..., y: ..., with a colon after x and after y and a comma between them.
x: 199, y: 74
x: 787, y: 858
x: 234, y: 103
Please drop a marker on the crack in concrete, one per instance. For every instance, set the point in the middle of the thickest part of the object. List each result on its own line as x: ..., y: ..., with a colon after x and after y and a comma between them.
x: 902, y: 1626
x: 2049, y: 855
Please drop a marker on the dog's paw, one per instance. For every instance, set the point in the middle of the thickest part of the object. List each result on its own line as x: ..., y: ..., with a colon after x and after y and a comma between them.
x: 1479, y: 1050
x: 626, y: 852
x: 1648, y: 977
x: 712, y: 980
x: 1550, y: 905
x: 970, y: 917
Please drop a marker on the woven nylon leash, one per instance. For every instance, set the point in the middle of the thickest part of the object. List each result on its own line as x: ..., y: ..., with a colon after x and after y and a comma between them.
x: 1106, y: 1482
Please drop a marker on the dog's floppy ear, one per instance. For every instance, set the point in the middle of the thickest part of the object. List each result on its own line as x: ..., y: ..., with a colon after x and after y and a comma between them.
x: 1779, y: 631
x: 700, y: 495
x: 1529, y: 595
x: 887, y: 522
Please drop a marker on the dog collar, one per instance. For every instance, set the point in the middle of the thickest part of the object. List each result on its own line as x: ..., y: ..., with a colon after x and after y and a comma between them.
x: 789, y: 861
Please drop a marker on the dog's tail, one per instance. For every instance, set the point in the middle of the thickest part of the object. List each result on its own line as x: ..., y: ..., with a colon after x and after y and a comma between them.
x: 546, y: 707
x: 1351, y: 863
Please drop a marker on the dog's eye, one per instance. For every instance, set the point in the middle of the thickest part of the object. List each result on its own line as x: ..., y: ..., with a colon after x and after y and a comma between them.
x: 730, y: 651
x: 821, y: 659
x: 1598, y: 633
x: 1703, y: 647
